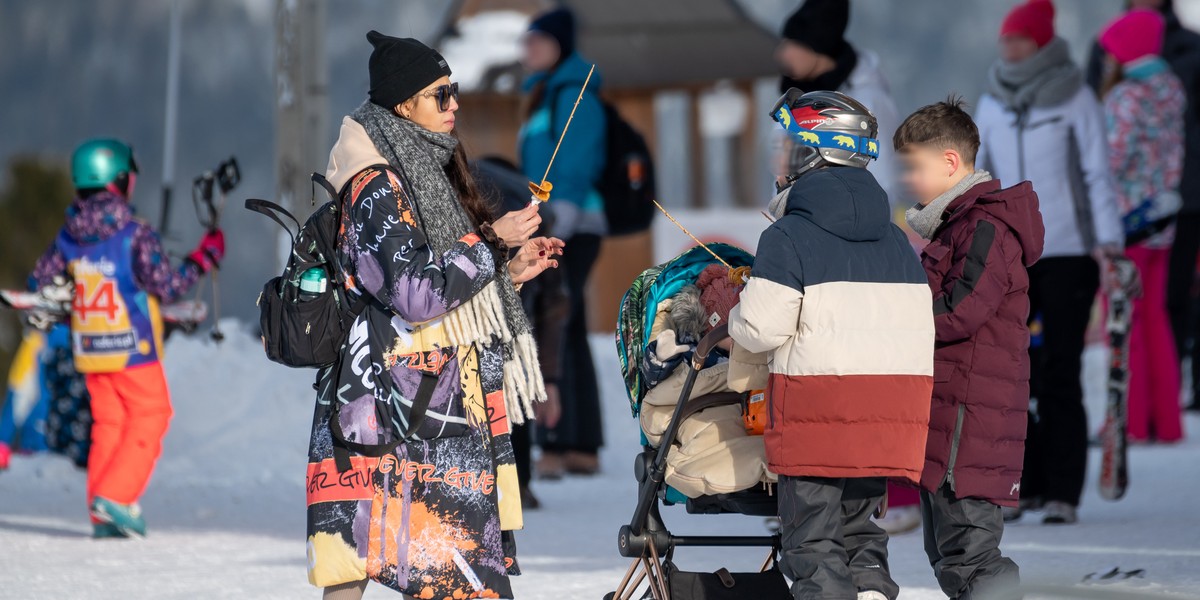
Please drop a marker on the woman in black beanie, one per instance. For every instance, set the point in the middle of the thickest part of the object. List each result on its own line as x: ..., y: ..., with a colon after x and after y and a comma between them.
x: 411, y: 481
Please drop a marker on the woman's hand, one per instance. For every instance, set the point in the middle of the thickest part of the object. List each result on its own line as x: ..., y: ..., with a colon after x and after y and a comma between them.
x: 535, y: 256
x: 549, y: 412
x: 515, y: 227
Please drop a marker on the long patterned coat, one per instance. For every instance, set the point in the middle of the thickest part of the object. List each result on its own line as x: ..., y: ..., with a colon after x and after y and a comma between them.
x: 433, y: 518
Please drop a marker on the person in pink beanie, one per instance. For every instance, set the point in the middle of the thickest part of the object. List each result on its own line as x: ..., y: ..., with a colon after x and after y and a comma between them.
x: 1144, y: 106
x: 1135, y: 35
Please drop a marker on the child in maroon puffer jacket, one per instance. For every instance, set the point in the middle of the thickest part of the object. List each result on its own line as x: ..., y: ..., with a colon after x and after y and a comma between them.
x: 981, y: 240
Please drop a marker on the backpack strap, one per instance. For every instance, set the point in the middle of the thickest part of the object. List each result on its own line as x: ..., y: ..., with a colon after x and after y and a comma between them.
x: 416, y: 417
x: 273, y: 210
x: 320, y: 179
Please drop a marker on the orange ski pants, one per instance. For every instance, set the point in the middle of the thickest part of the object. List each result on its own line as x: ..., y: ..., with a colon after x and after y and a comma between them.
x: 130, y: 411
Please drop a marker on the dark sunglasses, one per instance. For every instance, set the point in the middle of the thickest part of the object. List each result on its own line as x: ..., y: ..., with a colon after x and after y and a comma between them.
x: 443, y: 93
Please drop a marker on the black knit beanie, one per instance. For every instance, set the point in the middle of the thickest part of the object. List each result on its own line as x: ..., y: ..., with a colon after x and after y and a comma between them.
x: 401, y: 67
x: 558, y: 24
x: 820, y: 25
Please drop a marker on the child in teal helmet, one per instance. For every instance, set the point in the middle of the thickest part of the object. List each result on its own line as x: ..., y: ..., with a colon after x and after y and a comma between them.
x: 120, y: 275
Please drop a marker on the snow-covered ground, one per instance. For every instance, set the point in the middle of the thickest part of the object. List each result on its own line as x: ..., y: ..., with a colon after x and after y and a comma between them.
x: 226, y: 508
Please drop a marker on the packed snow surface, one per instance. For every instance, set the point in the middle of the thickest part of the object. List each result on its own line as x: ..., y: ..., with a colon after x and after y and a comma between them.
x: 226, y: 507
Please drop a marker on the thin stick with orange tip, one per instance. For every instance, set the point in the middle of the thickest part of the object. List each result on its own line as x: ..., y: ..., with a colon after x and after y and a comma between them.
x: 764, y: 213
x: 689, y: 234
x: 541, y: 191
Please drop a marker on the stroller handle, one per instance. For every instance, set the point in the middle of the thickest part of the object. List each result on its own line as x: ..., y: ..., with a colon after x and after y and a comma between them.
x: 718, y: 334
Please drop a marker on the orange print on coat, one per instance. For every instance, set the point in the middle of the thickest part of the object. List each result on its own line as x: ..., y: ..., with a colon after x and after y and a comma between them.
x: 497, y: 412
x: 402, y: 205
x: 433, y: 540
x: 361, y: 182
x: 382, y: 532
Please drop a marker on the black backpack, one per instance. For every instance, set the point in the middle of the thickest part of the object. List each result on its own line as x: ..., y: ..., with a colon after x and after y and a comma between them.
x: 311, y: 332
x: 307, y: 332
x: 627, y: 182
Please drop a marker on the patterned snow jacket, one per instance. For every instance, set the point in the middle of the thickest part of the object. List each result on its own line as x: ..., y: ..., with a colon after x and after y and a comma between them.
x: 1144, y: 118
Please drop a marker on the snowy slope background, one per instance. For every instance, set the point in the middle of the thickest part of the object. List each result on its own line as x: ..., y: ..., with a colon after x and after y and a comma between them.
x: 226, y: 507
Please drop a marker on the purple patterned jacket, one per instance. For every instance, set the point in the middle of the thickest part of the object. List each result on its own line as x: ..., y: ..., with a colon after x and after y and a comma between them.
x: 99, y: 217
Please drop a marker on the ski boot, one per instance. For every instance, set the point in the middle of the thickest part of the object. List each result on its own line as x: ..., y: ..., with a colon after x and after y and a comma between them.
x: 126, y: 518
x: 107, y: 531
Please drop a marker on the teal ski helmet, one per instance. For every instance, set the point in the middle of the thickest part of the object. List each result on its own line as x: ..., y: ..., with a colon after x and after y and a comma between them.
x: 99, y: 162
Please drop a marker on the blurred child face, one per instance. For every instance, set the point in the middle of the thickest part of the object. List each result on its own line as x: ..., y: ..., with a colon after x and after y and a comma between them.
x: 539, y: 52
x: 929, y: 172
x: 1016, y: 48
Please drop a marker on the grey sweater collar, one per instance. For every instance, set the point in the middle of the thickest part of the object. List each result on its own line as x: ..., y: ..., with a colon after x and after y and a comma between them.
x: 925, y: 219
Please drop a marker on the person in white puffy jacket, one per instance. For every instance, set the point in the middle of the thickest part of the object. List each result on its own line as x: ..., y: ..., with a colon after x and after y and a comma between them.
x: 1039, y: 122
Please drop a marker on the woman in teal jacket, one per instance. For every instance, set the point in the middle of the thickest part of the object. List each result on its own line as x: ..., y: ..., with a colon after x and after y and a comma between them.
x: 558, y: 75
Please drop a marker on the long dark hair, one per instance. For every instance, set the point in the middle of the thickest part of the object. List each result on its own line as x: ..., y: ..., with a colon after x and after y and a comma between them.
x: 458, y: 170
x: 1114, y: 73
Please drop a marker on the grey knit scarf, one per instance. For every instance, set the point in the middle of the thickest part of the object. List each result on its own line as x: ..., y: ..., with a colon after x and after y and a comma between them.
x: 495, y: 313
x: 1047, y: 78
x: 926, y: 219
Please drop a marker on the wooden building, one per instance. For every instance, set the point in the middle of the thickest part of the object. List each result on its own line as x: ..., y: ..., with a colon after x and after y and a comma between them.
x: 692, y: 76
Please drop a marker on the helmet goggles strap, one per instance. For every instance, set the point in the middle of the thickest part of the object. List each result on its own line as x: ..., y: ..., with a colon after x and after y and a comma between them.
x: 867, y: 146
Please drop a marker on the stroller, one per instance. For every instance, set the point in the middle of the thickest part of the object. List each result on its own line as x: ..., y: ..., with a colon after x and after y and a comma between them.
x: 646, y: 539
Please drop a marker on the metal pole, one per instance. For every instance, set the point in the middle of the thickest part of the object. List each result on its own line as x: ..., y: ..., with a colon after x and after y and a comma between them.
x: 170, y: 126
x: 301, y: 105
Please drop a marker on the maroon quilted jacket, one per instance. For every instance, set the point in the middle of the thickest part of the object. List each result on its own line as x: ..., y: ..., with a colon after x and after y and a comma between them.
x: 976, y: 265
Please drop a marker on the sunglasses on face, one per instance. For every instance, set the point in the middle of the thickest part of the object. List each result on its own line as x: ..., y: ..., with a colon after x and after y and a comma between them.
x: 443, y: 93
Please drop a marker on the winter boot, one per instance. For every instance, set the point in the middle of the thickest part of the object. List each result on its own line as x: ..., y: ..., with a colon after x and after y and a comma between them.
x: 550, y: 466
x: 1012, y: 514
x: 127, y: 518
x: 107, y: 531
x: 5, y: 455
x: 582, y: 463
x: 1059, y: 513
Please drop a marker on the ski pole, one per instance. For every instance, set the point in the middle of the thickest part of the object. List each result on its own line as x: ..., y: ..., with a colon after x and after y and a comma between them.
x: 228, y: 176
x: 541, y: 191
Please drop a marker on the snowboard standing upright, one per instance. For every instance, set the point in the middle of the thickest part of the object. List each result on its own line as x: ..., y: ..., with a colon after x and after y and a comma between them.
x: 1114, y: 463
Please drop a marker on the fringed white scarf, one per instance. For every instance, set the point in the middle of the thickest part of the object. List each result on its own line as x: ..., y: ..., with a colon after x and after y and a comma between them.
x: 495, y: 312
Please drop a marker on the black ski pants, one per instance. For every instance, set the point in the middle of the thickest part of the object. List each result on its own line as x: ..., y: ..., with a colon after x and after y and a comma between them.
x: 831, y: 548
x: 962, y: 539
x: 1181, y: 299
x: 1061, y: 291
x: 579, y: 428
